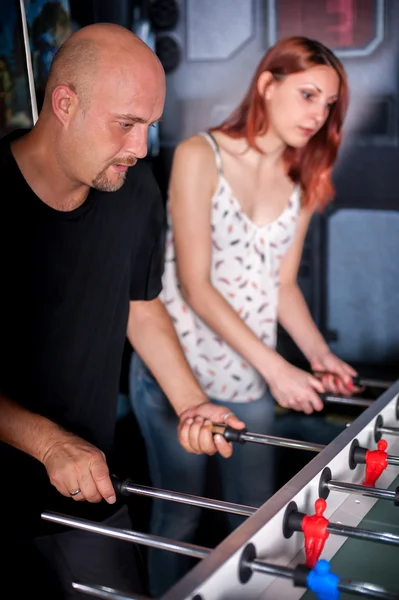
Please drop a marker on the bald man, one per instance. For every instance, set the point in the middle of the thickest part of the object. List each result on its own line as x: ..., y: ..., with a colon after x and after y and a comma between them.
x: 81, y: 260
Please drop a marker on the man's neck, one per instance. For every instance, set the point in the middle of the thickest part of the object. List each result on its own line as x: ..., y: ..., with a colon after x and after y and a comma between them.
x: 45, y: 178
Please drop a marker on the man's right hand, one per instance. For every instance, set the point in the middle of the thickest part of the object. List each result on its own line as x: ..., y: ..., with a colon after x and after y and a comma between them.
x: 73, y: 464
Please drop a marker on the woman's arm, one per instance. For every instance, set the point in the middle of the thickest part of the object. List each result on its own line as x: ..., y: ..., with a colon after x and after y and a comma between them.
x: 295, y: 317
x: 293, y: 312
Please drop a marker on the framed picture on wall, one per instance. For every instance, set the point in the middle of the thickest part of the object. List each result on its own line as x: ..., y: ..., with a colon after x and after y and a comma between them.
x: 352, y: 29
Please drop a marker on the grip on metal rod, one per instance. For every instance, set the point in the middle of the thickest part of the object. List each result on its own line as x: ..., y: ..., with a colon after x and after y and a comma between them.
x: 292, y: 520
x: 379, y: 422
x: 357, y: 455
x: 325, y: 477
x: 247, y: 556
x: 120, y: 485
x: 229, y: 433
x: 300, y: 576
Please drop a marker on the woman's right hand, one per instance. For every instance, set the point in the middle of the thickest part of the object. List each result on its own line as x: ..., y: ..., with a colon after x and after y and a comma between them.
x: 295, y: 389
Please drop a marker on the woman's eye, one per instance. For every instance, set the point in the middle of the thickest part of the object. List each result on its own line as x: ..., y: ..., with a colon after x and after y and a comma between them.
x: 307, y: 95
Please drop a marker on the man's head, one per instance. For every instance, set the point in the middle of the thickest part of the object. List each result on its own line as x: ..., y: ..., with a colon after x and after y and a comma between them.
x: 105, y: 88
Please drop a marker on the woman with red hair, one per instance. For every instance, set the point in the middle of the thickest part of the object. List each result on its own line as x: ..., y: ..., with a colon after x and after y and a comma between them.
x: 241, y: 197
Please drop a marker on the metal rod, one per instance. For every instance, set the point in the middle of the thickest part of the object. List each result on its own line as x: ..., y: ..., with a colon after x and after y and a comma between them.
x: 241, y: 435
x: 245, y: 436
x: 378, y: 383
x: 270, y: 440
x: 368, y: 590
x: 237, y: 509
x: 364, y: 402
x: 351, y: 587
x: 99, y: 591
x: 352, y: 488
x: 259, y: 566
x: 129, y: 536
x: 279, y: 441
x: 362, y: 534
x: 362, y: 381
x: 231, y: 434
x: 389, y: 430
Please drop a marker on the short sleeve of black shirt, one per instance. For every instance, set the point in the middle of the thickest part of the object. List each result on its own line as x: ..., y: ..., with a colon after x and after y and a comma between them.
x: 148, y: 261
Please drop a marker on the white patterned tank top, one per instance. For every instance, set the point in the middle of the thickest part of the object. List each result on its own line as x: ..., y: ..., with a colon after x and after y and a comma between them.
x: 245, y: 270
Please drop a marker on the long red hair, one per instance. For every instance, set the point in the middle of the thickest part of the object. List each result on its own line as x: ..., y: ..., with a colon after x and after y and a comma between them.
x: 310, y: 166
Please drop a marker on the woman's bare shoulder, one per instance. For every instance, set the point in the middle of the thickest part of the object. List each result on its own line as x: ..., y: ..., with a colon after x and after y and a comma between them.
x: 195, y: 150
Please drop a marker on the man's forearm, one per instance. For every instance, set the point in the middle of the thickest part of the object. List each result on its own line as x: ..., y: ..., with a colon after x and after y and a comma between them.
x: 153, y: 337
x: 25, y: 430
x: 295, y: 317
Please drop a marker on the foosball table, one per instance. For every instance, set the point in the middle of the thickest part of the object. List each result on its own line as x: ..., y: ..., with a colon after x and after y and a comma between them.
x: 331, y: 532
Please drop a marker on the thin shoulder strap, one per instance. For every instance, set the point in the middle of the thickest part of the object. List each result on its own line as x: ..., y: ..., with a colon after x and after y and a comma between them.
x: 218, y: 159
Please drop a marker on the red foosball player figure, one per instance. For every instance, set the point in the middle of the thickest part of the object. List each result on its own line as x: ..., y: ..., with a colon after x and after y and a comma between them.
x: 314, y: 528
x: 376, y: 463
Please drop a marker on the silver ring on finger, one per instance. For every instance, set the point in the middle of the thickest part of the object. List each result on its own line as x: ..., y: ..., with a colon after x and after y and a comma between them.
x: 75, y: 492
x: 226, y: 415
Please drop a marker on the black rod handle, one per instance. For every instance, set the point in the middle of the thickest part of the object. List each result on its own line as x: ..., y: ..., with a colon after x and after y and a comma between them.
x: 121, y: 485
x: 229, y: 433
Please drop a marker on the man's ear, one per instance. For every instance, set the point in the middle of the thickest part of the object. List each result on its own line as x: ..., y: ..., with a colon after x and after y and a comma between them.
x: 64, y: 102
x: 265, y: 84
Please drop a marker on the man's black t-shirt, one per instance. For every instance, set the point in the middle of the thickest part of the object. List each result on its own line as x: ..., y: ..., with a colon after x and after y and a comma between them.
x: 66, y: 279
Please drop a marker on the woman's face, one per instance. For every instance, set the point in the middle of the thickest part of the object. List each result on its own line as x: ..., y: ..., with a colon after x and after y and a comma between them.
x: 299, y: 104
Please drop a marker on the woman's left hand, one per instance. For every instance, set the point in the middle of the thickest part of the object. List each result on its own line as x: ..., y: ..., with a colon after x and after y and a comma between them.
x: 338, y: 377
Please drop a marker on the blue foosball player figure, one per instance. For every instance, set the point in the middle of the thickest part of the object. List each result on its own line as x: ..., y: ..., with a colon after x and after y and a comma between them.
x: 322, y: 582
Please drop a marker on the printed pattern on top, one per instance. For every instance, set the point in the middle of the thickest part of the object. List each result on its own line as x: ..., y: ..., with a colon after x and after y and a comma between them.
x: 245, y: 270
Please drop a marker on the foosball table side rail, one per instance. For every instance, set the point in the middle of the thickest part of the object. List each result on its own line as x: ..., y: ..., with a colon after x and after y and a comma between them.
x: 222, y: 575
